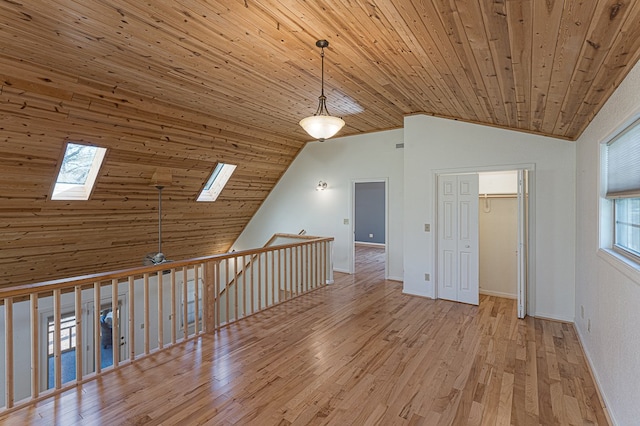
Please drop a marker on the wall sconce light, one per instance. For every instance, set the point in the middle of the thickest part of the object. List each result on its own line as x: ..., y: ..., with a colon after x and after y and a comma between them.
x: 321, y: 186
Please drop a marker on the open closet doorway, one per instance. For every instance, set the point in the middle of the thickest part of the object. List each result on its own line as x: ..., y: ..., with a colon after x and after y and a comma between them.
x: 484, y: 245
x: 370, y: 227
x: 503, y: 217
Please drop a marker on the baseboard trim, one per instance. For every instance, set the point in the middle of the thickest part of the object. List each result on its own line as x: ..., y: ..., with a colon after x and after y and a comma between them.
x: 396, y: 279
x: 344, y: 271
x: 550, y: 317
x: 596, y: 381
x: 363, y: 243
x: 498, y: 294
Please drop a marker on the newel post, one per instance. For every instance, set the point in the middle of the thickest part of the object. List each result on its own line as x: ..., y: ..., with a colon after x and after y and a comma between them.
x: 329, y: 262
x: 209, y: 297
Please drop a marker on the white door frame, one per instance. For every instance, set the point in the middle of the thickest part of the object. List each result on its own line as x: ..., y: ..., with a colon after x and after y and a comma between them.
x: 352, y: 222
x: 530, y: 167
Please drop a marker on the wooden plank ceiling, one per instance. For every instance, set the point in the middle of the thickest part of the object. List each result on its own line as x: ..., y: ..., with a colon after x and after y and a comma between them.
x: 184, y: 84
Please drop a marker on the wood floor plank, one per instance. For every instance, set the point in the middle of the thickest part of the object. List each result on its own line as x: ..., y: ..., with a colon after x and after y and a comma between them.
x: 356, y: 352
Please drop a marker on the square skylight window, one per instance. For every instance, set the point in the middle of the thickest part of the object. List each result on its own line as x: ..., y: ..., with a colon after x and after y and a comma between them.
x: 218, y: 179
x: 78, y: 172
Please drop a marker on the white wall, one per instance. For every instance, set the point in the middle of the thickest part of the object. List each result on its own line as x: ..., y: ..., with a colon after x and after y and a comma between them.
x: 434, y: 144
x: 498, y: 226
x: 498, y: 236
x: 294, y: 204
x: 498, y: 182
x: 608, y: 289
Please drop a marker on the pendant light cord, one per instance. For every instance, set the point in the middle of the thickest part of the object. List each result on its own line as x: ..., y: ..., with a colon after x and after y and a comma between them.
x: 322, y: 67
x: 159, y: 219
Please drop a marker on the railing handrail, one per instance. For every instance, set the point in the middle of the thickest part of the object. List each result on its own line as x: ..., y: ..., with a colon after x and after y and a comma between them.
x: 57, y: 284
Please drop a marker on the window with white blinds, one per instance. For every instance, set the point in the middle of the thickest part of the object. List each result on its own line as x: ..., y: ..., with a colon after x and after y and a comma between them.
x: 623, y: 187
x: 623, y: 164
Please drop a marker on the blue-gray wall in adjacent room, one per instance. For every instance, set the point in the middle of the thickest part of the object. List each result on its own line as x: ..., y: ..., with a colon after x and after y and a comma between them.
x: 369, y: 206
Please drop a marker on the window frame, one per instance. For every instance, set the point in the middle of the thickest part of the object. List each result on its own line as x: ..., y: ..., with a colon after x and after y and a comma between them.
x: 624, y: 260
x: 618, y: 248
x: 216, y: 182
x: 78, y: 192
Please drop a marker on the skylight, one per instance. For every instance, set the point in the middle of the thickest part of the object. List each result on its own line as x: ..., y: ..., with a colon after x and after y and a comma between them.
x: 216, y: 182
x: 78, y: 172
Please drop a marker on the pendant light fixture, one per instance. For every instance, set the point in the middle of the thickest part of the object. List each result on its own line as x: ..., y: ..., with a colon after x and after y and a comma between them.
x: 322, y: 125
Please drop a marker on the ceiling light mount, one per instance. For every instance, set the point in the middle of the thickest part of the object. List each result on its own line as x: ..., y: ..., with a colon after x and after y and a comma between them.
x: 322, y: 125
x: 322, y: 44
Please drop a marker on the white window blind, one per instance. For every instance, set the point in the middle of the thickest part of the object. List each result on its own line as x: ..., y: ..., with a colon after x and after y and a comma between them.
x: 623, y: 164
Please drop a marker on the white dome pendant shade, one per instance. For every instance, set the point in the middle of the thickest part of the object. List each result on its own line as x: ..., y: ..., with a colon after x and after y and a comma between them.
x: 322, y: 125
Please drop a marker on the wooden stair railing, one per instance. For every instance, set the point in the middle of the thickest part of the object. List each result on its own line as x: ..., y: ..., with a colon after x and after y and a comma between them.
x: 240, y: 271
x: 152, y: 308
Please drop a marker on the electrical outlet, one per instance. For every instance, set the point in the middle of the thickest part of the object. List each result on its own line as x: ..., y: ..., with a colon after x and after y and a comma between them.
x: 582, y: 311
x: 345, y: 221
x: 427, y: 277
x: 427, y: 227
x: 370, y: 235
x: 589, y: 325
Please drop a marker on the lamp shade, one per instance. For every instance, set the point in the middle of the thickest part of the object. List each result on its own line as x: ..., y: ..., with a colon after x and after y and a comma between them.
x: 322, y: 127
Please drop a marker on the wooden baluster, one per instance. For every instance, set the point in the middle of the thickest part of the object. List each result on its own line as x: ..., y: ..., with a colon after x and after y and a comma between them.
x: 173, y: 306
x: 314, y: 264
x: 115, y: 323
x: 132, y: 322
x: 260, y: 280
x: 57, y: 358
x: 8, y: 353
x: 255, y: 285
x: 35, y: 345
x: 244, y: 287
x: 281, y: 278
x: 96, y: 328
x: 318, y: 248
x: 237, y: 315
x: 273, y: 278
x: 309, y: 268
x: 160, y: 311
x: 79, y: 342
x: 325, y: 262
x: 296, y: 262
x: 227, y: 293
x: 185, y: 308
x: 290, y: 274
x: 196, y: 304
x: 319, y: 256
x: 303, y: 268
x: 145, y: 295
x: 216, y: 299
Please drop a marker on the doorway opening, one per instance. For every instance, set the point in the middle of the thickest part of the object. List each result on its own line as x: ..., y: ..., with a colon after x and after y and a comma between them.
x: 498, y: 236
x: 68, y: 336
x: 370, y: 226
x: 483, y: 238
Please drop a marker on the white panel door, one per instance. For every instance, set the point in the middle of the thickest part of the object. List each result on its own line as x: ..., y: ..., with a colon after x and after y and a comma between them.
x: 447, y: 237
x: 458, y: 238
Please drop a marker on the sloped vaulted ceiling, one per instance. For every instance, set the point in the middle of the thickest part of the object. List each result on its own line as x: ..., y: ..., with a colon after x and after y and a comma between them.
x: 184, y: 84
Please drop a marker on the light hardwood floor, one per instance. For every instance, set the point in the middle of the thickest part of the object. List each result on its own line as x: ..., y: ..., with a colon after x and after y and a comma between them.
x: 354, y: 353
